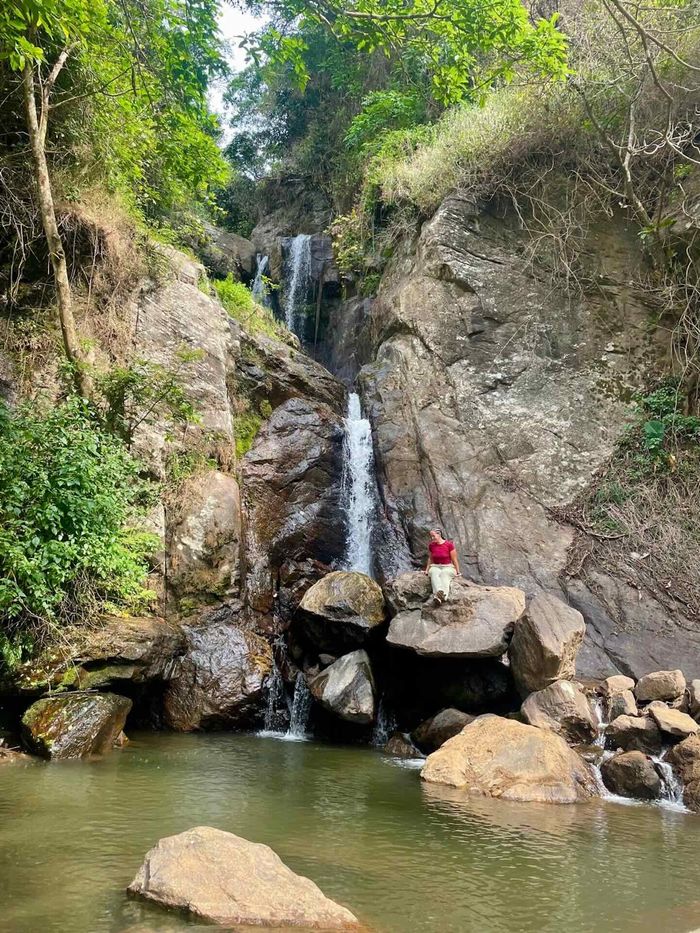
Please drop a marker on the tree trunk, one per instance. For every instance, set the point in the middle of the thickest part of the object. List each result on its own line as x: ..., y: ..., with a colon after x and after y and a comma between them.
x: 37, y: 132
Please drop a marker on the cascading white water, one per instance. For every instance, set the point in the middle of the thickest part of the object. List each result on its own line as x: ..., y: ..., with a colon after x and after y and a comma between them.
x: 259, y: 290
x: 297, y: 279
x: 301, y: 707
x: 385, y: 725
x: 359, y: 488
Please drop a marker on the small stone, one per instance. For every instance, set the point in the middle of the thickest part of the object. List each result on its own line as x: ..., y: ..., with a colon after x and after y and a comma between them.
x: 661, y: 685
x: 618, y: 683
x: 694, y: 698
x: 673, y: 721
x: 631, y: 774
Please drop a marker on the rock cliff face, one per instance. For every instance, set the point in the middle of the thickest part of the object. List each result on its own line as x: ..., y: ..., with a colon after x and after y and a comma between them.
x: 494, y: 398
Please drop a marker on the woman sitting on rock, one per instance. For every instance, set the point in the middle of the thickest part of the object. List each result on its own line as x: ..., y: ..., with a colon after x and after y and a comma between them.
x: 442, y: 566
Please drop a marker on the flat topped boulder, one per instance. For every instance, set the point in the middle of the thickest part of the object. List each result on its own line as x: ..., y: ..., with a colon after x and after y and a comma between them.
x: 474, y: 622
x: 341, y: 611
x: 672, y: 721
x: 346, y: 688
x: 228, y: 880
x: 660, y: 685
x: 545, y: 644
x: 504, y: 758
x: 74, y: 725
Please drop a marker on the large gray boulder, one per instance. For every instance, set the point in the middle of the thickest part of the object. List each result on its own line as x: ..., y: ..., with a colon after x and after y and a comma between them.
x: 632, y: 774
x: 562, y: 707
x: 474, y: 622
x: 545, y: 644
x: 634, y: 733
x: 230, y: 881
x: 74, y: 725
x: 503, y: 758
x: 342, y: 610
x: 204, y: 539
x: 346, y: 688
x: 434, y: 732
x: 219, y: 681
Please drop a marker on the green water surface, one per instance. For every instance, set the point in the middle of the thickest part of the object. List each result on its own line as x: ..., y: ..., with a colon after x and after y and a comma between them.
x: 400, y: 855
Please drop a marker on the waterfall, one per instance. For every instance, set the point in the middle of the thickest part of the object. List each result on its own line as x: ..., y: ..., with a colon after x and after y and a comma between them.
x: 301, y: 707
x: 671, y: 787
x: 259, y: 290
x: 359, y: 488
x: 298, y: 279
x: 276, y: 711
x: 385, y: 725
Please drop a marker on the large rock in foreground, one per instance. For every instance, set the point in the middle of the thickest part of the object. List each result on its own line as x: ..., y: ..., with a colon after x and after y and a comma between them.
x: 475, y: 622
x: 230, y: 881
x: 346, y: 688
x: 503, y: 758
x: 340, y: 611
x: 219, y: 682
x: 545, y: 644
x: 74, y: 725
x: 562, y: 707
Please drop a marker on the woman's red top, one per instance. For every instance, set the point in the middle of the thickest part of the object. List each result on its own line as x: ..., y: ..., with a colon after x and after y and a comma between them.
x: 440, y: 553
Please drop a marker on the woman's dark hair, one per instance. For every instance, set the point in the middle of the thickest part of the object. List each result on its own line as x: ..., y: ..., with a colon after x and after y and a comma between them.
x: 439, y: 531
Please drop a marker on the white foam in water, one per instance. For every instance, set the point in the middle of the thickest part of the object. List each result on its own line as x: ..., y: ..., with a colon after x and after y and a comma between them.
x: 298, y: 278
x: 259, y: 290
x: 359, y: 487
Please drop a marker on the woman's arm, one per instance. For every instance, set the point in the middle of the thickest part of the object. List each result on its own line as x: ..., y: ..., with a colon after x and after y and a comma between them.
x: 455, y: 561
x: 427, y: 566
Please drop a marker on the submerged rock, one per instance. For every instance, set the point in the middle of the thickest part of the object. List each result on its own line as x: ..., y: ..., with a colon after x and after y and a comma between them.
x: 401, y: 746
x: 474, y: 622
x: 631, y: 774
x: 346, y: 688
x: 434, y: 732
x: 342, y: 610
x: 562, y: 707
x: 661, y: 685
x: 74, y: 725
x: 503, y: 758
x: 634, y: 733
x: 228, y: 880
x: 545, y: 644
x: 219, y: 682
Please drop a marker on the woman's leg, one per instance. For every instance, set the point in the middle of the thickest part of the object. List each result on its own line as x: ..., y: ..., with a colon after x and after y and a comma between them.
x: 435, y: 580
x: 447, y: 575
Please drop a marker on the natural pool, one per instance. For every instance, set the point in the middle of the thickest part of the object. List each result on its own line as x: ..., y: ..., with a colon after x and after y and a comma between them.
x: 403, y: 857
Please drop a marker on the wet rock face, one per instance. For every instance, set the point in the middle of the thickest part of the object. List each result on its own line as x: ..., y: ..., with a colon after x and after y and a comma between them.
x: 228, y: 880
x: 474, y: 622
x: 562, y: 707
x: 401, y: 746
x: 204, y: 543
x: 218, y: 683
x: 545, y: 644
x: 504, y: 758
x: 341, y: 611
x: 492, y: 398
x: 346, y: 688
x: 631, y: 774
x: 292, y: 496
x: 74, y: 725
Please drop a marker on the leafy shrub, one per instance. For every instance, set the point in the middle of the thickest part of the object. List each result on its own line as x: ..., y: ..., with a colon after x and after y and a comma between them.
x: 240, y: 304
x: 70, y: 543
x: 245, y: 426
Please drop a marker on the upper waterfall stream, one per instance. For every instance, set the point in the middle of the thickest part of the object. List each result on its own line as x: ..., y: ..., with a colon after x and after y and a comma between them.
x: 297, y: 279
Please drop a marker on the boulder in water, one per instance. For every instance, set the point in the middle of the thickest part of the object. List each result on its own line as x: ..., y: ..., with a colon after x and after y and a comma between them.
x: 342, y: 610
x: 219, y: 681
x: 504, y: 758
x: 346, y: 688
x: 474, y: 622
x: 401, y: 746
x: 228, y: 880
x: 684, y: 758
x: 562, y: 707
x: 545, y: 643
x: 434, y: 732
x: 634, y: 733
x: 631, y: 774
x: 672, y: 721
x: 74, y: 725
x: 660, y: 685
